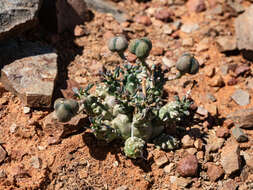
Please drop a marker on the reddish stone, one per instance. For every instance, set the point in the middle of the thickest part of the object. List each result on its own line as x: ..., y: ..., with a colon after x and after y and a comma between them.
x: 196, y: 5
x: 230, y: 157
x: 142, y: 19
x: 214, y: 172
x: 188, y: 166
x: 241, y: 69
x: 157, y: 51
x: 164, y: 14
x: 222, y: 132
x: 232, y: 82
x: 228, y: 123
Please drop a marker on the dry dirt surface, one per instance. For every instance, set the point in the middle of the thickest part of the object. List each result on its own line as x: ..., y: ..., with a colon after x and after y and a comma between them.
x: 32, y: 159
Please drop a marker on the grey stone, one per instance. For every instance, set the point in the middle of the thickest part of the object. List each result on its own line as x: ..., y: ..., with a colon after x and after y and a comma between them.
x: 243, y: 30
x: 224, y: 68
x: 189, y: 27
x: 3, y: 154
x: 177, y: 24
x: 226, y: 43
x: 105, y: 6
x: 168, y: 62
x: 36, y: 162
x: 17, y: 16
x: 202, y: 111
x: 31, y: 73
x: 239, y: 135
x: 241, y: 97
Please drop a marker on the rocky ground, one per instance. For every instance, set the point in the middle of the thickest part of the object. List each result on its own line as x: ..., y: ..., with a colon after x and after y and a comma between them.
x: 216, y: 148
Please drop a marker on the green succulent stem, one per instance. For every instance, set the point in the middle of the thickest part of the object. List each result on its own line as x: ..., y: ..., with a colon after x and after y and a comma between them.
x: 121, y: 55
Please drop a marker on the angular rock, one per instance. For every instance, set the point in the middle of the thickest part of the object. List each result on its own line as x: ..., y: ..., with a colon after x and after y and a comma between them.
x: 243, y: 30
x: 35, y: 162
x: 189, y: 27
x: 214, y: 143
x: 188, y: 42
x: 187, y: 141
x: 143, y: 19
x: 241, y: 97
x: 161, y: 160
x: 196, y: 5
x: 222, y: 132
x: 243, y: 118
x: 188, y: 166
x: 179, y: 182
x: 57, y: 130
x: 3, y: 154
x: 226, y: 43
x: 241, y: 69
x: 230, y: 157
x: 123, y: 187
x: 198, y: 143
x: 239, y: 135
x: 169, y: 168
x: 229, y: 185
x: 217, y: 81
x: 164, y: 14
x: 168, y: 62
x: 105, y: 6
x: 61, y: 15
x: 202, y: 111
x: 17, y: 16
x: 214, y: 172
x: 248, y: 157
x: 31, y: 73
x: 236, y: 6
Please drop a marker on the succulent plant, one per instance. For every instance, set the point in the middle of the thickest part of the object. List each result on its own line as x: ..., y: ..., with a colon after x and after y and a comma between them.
x: 166, y: 142
x: 134, y: 147
x: 140, y: 47
x: 118, y: 44
x: 65, y: 109
x: 128, y: 103
x: 187, y: 64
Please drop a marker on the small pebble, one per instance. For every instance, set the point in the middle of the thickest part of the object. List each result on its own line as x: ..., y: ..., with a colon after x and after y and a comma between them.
x: 239, y: 135
x: 241, y: 97
x: 26, y: 110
